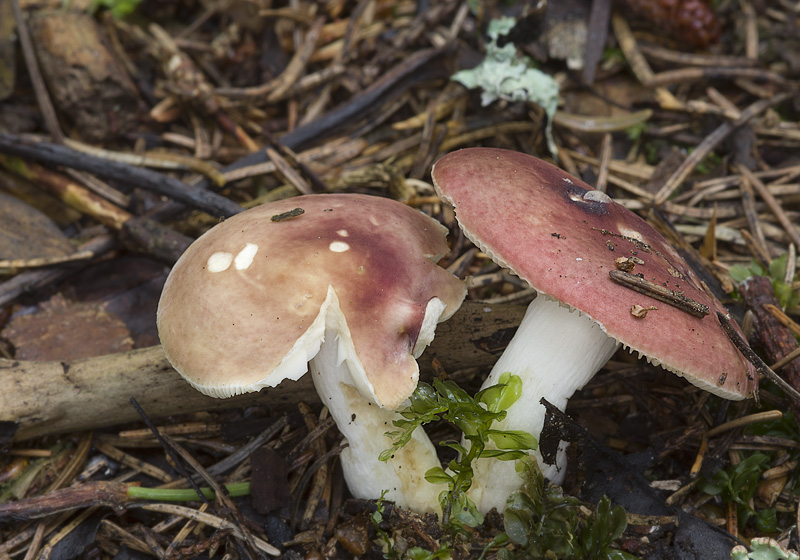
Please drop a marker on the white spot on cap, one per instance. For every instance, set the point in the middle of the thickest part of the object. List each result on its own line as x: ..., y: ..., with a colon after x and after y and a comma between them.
x: 578, y: 259
x: 597, y: 196
x: 339, y: 246
x: 219, y: 261
x: 374, y: 221
x: 245, y: 257
x: 568, y: 180
x: 590, y: 196
x: 343, y: 233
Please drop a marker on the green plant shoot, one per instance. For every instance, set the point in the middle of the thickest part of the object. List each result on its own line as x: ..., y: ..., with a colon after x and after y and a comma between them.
x: 474, y: 416
x: 119, y: 8
x: 545, y: 523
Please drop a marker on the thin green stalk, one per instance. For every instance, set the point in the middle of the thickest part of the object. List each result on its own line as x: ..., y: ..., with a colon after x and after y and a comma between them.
x: 184, y: 494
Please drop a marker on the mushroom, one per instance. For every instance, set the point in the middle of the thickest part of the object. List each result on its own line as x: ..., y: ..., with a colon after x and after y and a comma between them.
x: 564, y: 238
x: 343, y: 285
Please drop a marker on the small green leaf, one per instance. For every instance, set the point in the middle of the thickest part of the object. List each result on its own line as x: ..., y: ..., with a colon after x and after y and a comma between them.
x: 502, y: 395
x: 740, y: 272
x: 436, y: 475
x: 466, y: 512
x: 512, y: 439
x: 767, y: 520
x: 713, y: 487
x: 460, y: 449
x: 417, y: 553
x: 118, y: 8
x: 517, y: 525
x: 777, y: 267
x: 501, y: 455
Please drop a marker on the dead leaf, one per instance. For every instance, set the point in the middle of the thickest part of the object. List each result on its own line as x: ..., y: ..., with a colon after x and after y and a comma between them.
x: 26, y: 233
x: 62, y: 330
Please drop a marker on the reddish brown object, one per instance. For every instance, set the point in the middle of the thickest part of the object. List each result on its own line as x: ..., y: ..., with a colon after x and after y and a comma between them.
x: 64, y: 331
x: 691, y: 22
x: 769, y: 334
x: 94, y: 493
x: 564, y: 237
x: 569, y: 241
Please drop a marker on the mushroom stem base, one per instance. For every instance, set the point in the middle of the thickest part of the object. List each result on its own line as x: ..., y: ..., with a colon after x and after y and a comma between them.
x: 364, y: 424
x: 555, y: 352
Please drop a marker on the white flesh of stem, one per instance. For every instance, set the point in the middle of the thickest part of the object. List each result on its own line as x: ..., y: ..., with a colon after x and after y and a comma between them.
x: 363, y: 424
x: 555, y: 352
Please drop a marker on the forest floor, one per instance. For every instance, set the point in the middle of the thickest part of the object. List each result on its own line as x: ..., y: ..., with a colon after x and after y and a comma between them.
x: 128, y: 128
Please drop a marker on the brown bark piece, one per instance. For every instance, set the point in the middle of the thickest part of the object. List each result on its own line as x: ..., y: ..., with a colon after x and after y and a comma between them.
x: 63, y: 330
x: 83, y: 77
x: 26, y: 233
x: 150, y: 237
x: 58, y: 397
x: 665, y: 168
x: 769, y: 335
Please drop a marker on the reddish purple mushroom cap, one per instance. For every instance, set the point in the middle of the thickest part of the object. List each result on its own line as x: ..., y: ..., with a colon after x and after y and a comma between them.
x: 563, y: 237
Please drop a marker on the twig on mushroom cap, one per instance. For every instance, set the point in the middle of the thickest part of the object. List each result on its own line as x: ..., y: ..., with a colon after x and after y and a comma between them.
x: 656, y: 291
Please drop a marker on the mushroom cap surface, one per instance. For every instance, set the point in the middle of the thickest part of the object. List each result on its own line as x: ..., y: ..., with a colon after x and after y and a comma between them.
x: 246, y: 297
x: 563, y: 237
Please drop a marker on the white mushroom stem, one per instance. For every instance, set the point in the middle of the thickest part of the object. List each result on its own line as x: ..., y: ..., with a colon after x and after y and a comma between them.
x: 363, y: 424
x: 555, y: 352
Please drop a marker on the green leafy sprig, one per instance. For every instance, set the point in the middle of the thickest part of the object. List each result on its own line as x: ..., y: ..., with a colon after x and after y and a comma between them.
x: 545, y: 523
x: 540, y: 521
x: 474, y: 416
x: 738, y: 484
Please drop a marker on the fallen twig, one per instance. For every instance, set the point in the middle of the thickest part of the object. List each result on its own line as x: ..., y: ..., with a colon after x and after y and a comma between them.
x: 55, y: 397
x: 761, y: 367
x: 53, y: 154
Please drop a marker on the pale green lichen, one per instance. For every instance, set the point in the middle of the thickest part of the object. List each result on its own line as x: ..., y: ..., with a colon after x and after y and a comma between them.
x: 763, y: 548
x: 504, y: 74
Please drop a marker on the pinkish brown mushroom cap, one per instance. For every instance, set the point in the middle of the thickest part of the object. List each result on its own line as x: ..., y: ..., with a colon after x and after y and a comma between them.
x: 563, y: 237
x: 244, y: 307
